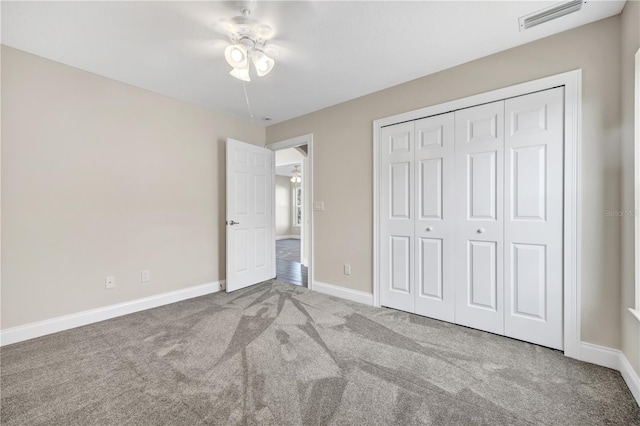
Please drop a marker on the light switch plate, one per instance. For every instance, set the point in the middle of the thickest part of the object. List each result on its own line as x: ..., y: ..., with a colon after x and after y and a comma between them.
x: 318, y: 205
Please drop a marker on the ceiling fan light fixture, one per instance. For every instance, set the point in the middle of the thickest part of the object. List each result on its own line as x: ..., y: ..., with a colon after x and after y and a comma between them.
x: 247, y: 40
x: 262, y: 62
x: 236, y: 56
x: 241, y: 73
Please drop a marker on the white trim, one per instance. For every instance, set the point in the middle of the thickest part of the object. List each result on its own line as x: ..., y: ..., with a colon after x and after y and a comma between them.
x: 630, y: 377
x: 572, y: 82
x: 343, y: 293
x: 66, y: 322
x: 636, y: 120
x: 615, y: 359
x: 599, y: 355
x: 288, y: 237
x: 291, y: 143
x: 635, y: 313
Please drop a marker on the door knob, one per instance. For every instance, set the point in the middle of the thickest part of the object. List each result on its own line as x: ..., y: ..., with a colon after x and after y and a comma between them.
x: 480, y: 231
x: 233, y: 222
x: 429, y: 228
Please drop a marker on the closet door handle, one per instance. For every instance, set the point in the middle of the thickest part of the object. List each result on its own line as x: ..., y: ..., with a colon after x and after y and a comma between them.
x: 480, y: 230
x: 429, y: 228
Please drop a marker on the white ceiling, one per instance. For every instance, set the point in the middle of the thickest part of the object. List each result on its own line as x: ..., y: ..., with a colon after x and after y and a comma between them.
x: 286, y: 159
x: 329, y: 52
x: 284, y: 171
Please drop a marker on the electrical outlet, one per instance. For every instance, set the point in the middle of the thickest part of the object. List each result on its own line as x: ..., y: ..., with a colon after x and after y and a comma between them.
x: 110, y: 282
x: 318, y: 205
x: 145, y: 276
x: 347, y: 269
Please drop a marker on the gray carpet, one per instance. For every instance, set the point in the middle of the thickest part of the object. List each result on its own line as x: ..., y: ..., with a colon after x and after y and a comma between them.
x: 279, y: 354
x: 288, y: 249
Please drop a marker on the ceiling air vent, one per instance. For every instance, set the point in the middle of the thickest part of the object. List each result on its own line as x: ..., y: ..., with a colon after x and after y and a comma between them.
x: 549, y: 14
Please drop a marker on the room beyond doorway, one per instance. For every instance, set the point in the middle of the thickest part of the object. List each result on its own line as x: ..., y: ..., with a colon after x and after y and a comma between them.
x: 291, y: 221
x: 293, y: 231
x: 288, y: 267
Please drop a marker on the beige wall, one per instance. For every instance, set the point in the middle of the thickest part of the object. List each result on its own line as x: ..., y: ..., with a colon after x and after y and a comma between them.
x: 630, y: 44
x: 343, y: 159
x: 101, y: 178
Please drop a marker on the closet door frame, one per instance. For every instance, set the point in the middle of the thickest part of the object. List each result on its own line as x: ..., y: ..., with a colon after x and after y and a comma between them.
x: 572, y: 83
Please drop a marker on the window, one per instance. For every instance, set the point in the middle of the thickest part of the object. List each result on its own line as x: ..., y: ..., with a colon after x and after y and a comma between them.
x: 297, y: 206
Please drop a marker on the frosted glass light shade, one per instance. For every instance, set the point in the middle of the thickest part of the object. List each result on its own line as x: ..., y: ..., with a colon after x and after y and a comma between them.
x: 241, y: 73
x: 236, y: 55
x: 262, y: 62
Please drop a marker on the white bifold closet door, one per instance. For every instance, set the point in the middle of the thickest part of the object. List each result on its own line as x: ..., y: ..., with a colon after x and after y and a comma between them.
x: 533, y: 205
x: 471, y: 206
x: 509, y: 174
x: 397, y: 224
x: 417, y: 178
x: 479, y: 233
x: 435, y: 217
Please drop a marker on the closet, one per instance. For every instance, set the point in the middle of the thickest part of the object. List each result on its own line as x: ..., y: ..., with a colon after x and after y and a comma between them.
x: 471, y: 206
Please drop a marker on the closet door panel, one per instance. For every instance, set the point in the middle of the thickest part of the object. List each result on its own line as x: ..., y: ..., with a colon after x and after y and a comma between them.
x: 479, y: 156
x: 482, y: 282
x: 435, y: 217
x: 397, y: 229
x: 430, y: 259
x: 533, y: 217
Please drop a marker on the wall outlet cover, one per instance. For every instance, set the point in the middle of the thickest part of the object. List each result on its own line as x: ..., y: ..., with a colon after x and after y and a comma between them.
x: 110, y: 282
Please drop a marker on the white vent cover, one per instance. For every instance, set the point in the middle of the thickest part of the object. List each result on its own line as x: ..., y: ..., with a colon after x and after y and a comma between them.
x: 549, y: 14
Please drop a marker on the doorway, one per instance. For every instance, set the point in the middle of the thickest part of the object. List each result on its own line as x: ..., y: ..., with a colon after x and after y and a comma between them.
x: 292, y: 210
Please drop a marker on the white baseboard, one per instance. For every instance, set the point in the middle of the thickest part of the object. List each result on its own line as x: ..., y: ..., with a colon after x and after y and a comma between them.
x: 599, y: 355
x: 344, y: 293
x: 66, y: 322
x: 288, y: 237
x: 630, y: 376
x: 615, y: 359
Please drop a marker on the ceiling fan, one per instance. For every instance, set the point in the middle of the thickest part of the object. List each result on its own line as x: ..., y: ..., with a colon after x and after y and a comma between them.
x: 248, y: 39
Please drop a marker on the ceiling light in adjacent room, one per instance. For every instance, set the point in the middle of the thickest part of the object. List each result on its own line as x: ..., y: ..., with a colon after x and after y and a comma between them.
x: 296, y: 175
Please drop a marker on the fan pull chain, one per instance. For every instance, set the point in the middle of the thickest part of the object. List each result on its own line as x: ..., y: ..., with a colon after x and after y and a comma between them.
x: 246, y: 97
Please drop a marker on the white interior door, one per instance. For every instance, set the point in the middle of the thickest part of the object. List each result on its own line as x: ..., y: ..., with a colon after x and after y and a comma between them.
x: 435, y: 217
x: 479, y: 144
x: 396, y: 217
x: 250, y: 223
x: 533, y: 217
